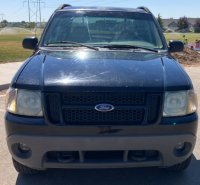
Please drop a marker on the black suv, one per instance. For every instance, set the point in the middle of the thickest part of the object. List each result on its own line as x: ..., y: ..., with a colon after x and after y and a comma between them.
x: 101, y: 90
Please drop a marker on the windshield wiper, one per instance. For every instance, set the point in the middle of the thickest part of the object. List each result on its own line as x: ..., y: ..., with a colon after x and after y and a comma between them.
x: 69, y: 42
x: 128, y: 46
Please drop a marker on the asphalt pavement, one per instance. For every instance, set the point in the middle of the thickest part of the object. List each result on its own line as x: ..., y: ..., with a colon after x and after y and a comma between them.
x: 132, y: 176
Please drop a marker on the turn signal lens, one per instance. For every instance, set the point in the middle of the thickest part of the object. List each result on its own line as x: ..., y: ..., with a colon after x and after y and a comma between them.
x: 11, y: 95
x: 192, y: 101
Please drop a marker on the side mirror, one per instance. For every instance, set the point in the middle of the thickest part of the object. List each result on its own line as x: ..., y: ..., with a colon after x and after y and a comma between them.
x: 30, y: 43
x: 175, y: 46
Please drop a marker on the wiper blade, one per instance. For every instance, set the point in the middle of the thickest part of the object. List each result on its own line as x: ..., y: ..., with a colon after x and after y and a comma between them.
x: 128, y: 46
x: 69, y: 42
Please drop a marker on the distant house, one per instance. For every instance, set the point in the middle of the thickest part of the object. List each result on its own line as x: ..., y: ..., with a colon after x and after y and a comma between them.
x: 192, y: 21
x: 2, y: 25
x: 172, y: 23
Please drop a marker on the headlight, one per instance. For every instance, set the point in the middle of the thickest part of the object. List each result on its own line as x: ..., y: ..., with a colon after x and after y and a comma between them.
x: 24, y: 102
x: 180, y: 103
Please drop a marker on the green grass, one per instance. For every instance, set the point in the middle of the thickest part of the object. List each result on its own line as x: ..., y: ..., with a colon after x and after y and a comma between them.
x: 11, y: 49
x: 179, y: 36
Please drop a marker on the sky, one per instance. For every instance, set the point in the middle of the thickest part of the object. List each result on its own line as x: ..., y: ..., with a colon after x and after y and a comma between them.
x: 17, y: 11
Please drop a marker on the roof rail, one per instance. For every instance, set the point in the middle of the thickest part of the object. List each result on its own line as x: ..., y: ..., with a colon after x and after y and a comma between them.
x: 144, y: 8
x: 63, y: 6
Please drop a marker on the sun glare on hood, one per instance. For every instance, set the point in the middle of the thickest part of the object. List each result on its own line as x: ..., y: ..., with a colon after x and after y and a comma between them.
x: 81, y: 55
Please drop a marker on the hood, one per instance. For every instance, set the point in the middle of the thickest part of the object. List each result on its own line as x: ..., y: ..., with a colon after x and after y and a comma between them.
x: 98, y: 71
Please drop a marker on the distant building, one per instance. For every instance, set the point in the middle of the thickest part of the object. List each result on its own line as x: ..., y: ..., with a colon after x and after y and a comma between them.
x: 172, y: 23
x: 2, y: 25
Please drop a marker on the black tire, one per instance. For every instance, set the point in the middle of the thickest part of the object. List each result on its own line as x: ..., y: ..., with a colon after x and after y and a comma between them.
x: 181, y: 166
x: 23, y: 169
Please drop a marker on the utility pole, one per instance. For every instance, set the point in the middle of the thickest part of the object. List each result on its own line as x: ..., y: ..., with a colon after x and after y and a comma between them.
x: 36, y: 17
x: 29, y: 15
x: 2, y: 15
x: 40, y: 12
x: 39, y: 2
x: 32, y: 12
x: 29, y: 9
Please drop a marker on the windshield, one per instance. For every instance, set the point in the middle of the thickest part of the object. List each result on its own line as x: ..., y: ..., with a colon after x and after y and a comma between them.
x: 102, y: 28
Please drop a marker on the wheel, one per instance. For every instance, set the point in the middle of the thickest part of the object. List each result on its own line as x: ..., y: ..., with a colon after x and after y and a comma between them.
x: 23, y: 169
x: 180, y: 166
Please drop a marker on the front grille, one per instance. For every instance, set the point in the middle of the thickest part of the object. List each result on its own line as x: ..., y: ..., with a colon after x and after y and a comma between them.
x: 78, y: 108
x: 53, y: 108
x: 114, y: 117
x: 93, y: 98
x: 153, y: 108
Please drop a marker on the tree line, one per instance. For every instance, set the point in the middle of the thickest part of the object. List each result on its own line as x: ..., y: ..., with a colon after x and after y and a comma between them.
x: 4, y: 23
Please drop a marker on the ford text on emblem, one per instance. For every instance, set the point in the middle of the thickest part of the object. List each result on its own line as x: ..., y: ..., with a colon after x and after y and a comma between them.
x: 104, y: 107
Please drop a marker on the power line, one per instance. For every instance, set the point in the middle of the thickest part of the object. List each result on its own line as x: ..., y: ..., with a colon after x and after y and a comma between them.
x: 14, y: 9
x: 20, y: 15
x: 57, y: 5
x: 94, y: 2
x: 14, y: 12
x: 114, y: 2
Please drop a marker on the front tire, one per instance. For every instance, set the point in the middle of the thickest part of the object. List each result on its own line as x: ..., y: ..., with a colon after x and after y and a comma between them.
x: 23, y: 169
x: 180, y: 166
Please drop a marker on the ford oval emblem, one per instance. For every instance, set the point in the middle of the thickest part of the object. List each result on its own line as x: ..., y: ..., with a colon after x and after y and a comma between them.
x: 104, y: 107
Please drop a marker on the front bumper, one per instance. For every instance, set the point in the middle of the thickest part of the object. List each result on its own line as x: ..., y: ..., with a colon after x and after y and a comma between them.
x: 40, y: 145
x: 37, y: 126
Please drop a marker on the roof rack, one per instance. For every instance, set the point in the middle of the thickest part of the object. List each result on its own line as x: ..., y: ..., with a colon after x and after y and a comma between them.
x: 144, y: 8
x: 63, y: 6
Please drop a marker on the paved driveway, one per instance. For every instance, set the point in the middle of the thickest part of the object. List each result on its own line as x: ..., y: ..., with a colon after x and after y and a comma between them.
x: 140, y: 176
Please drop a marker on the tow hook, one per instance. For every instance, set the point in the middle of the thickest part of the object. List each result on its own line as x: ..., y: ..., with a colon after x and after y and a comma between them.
x: 139, y: 155
x: 66, y: 156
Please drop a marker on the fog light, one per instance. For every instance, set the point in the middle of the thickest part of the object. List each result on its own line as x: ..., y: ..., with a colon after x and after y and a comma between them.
x: 23, y: 147
x: 180, y: 146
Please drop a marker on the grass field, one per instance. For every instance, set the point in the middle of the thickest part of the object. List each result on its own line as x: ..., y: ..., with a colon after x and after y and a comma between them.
x: 11, y: 49
x: 179, y: 36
